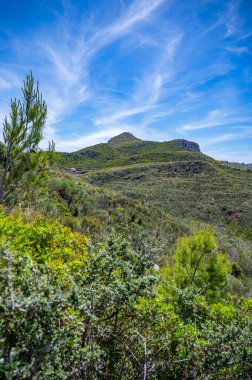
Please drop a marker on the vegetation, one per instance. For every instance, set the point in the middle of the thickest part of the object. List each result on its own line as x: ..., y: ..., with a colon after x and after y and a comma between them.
x: 23, y: 163
x: 237, y: 165
x: 181, y: 182
x: 102, y: 278
x: 74, y: 311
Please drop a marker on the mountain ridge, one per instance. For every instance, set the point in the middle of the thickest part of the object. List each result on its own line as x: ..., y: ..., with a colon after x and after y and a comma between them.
x: 127, y: 138
x: 174, y: 175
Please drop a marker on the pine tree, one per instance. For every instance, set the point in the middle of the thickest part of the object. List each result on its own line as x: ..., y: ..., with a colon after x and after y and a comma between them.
x: 23, y: 162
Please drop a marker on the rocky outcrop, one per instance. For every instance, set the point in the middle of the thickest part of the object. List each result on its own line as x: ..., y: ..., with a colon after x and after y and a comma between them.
x: 188, y: 145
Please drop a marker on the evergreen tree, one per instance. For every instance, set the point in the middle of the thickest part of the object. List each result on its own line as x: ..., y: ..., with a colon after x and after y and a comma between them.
x: 23, y: 163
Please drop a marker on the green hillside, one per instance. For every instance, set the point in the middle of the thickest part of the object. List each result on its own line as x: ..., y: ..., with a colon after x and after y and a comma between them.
x: 173, y: 175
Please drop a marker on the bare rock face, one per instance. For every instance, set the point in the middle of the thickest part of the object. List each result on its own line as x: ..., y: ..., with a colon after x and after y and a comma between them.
x: 188, y: 145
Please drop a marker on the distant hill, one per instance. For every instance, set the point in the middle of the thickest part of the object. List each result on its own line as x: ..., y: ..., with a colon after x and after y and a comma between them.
x: 172, y: 175
x: 126, y: 149
x: 237, y: 165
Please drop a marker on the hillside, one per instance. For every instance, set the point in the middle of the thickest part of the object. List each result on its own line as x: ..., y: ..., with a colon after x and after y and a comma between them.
x: 173, y: 175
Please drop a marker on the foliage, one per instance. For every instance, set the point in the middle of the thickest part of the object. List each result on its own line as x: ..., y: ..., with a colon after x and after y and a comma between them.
x: 69, y: 310
x: 182, y: 183
x: 199, y: 267
x: 37, y: 320
x: 215, y: 345
x: 24, y: 165
x: 73, y: 328
x: 97, y: 284
x: 97, y: 212
x: 46, y: 241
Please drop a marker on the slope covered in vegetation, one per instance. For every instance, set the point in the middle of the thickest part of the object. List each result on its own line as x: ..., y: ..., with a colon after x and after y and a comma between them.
x: 98, y: 213
x: 181, y: 181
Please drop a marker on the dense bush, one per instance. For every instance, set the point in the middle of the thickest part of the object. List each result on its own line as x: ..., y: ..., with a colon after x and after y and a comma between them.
x: 65, y: 308
x: 69, y: 310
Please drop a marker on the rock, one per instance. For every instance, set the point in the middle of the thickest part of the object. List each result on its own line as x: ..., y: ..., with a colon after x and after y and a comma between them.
x: 188, y: 145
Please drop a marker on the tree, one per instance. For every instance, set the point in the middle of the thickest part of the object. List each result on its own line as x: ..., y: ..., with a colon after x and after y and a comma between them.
x: 198, y: 269
x: 23, y: 162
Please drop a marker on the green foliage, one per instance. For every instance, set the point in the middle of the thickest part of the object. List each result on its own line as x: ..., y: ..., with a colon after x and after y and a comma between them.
x: 65, y: 310
x: 2, y: 154
x: 23, y: 163
x: 98, y: 212
x: 182, y: 183
x: 70, y: 310
x: 215, y: 345
x: 235, y: 229
x: 37, y: 320
x: 46, y: 241
x: 199, y: 266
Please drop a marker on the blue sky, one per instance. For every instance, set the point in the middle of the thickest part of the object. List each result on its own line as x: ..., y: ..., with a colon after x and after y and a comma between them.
x: 160, y: 69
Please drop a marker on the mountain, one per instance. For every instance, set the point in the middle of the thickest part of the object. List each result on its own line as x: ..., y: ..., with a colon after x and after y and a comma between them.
x: 125, y: 138
x: 126, y: 149
x: 172, y: 175
x: 237, y: 165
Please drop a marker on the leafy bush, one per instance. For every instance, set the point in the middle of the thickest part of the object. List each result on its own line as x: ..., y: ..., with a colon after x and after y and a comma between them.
x: 65, y: 308
x: 199, y: 266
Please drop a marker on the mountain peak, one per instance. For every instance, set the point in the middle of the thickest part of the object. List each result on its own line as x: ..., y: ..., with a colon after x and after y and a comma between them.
x: 123, y: 138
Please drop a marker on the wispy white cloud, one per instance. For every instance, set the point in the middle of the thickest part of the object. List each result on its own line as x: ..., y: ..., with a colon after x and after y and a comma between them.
x: 68, y: 49
x: 138, y: 12
x: 120, y: 115
x: 209, y: 141
x: 149, y: 90
x: 232, y: 19
x: 139, y: 67
x: 221, y: 146
x: 9, y: 78
x: 215, y: 118
x: 84, y: 140
x: 245, y: 35
x: 4, y: 83
x: 69, y: 57
x: 238, y: 49
x: 231, y: 155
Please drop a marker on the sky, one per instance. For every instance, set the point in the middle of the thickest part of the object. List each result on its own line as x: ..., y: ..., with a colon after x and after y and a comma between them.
x: 160, y: 69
